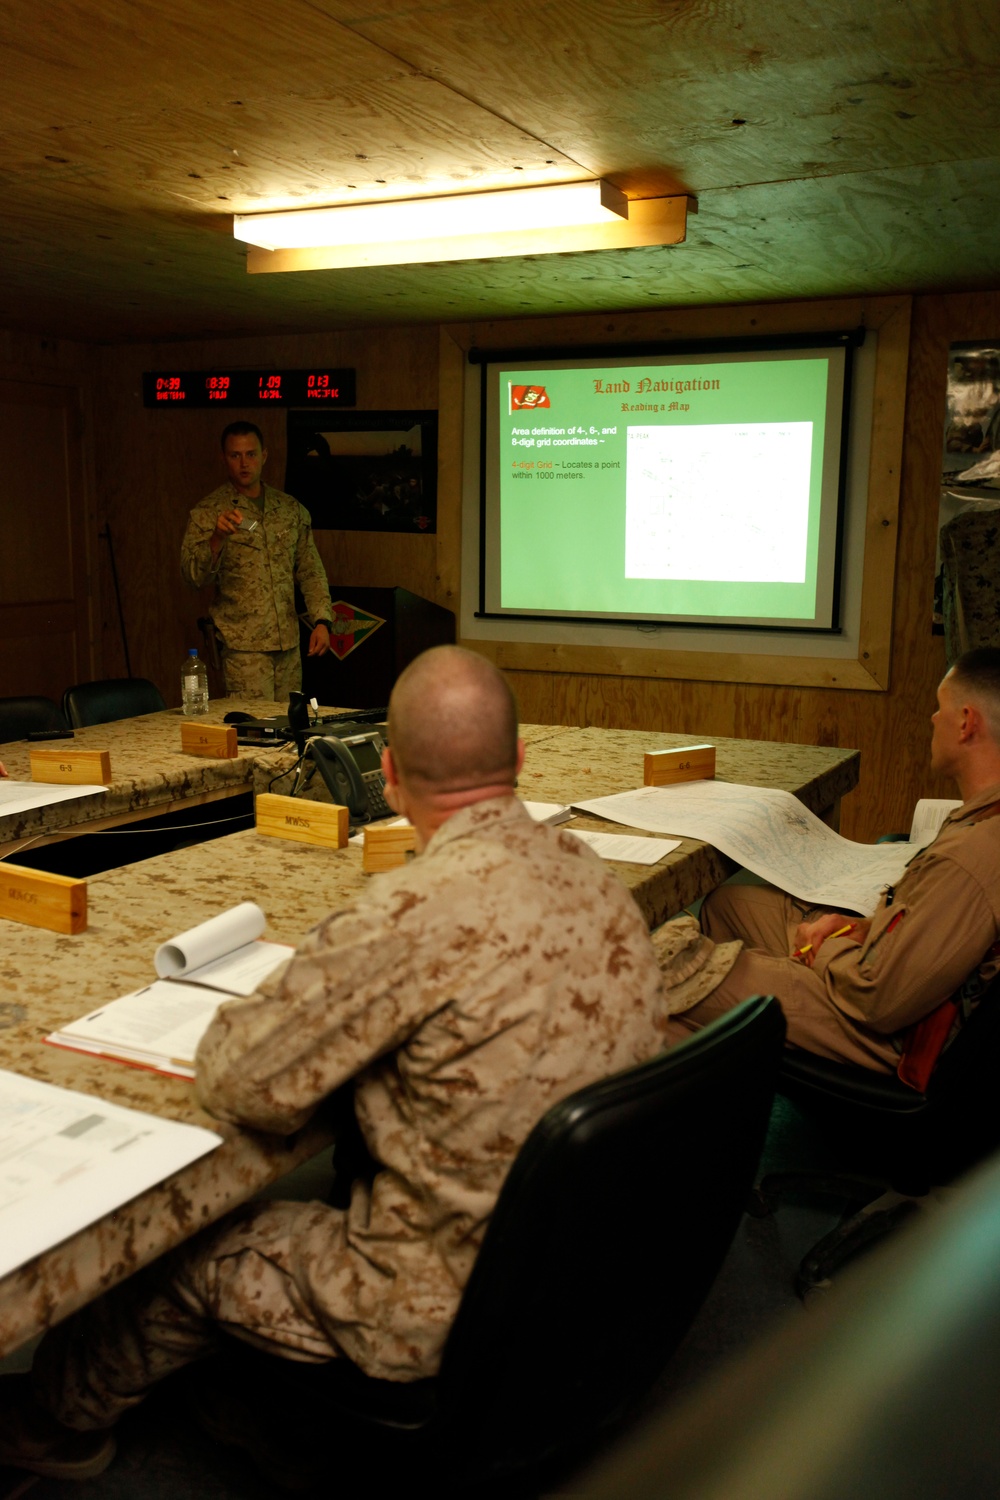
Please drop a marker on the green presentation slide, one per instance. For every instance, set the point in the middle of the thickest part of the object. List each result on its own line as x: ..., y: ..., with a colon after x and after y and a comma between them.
x: 685, y: 490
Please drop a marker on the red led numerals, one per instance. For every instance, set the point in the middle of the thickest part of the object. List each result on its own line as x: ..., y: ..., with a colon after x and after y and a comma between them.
x: 318, y: 388
x: 170, y: 388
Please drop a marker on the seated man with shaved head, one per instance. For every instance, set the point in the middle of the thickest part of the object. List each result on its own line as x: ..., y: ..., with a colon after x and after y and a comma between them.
x: 464, y: 994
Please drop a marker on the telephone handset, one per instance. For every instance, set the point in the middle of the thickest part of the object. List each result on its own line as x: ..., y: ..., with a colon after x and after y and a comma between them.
x: 352, y: 770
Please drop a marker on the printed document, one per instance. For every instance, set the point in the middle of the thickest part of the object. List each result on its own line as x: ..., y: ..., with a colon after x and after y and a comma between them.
x: 224, y: 953
x: 67, y: 1159
x: 626, y: 848
x: 548, y: 812
x: 769, y: 832
x: 157, y: 1027
x: 22, y: 796
x: 160, y: 1026
x: 928, y: 817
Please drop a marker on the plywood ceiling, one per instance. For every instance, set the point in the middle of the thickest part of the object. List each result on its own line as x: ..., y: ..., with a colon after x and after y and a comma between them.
x: 833, y: 148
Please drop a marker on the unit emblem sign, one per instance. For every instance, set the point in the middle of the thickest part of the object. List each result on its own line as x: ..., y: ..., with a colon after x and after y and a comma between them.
x: 351, y: 628
x: 527, y: 397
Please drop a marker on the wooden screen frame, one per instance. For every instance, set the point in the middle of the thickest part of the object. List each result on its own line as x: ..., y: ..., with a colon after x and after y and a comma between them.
x: 870, y: 671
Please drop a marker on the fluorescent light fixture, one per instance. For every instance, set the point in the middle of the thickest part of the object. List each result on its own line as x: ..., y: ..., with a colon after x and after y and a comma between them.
x: 557, y: 219
x: 505, y: 211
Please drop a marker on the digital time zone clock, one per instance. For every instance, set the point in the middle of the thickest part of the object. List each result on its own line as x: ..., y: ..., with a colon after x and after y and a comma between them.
x: 170, y: 389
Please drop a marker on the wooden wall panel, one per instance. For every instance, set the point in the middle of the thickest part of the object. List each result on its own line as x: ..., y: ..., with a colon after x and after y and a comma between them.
x: 353, y: 557
x: 44, y: 663
x: 47, y: 518
x: 33, y: 436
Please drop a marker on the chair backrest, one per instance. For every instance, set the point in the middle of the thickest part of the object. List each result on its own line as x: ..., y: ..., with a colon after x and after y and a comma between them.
x: 111, y: 698
x: 916, y: 1139
x: 962, y: 1092
x: 19, y: 716
x: 607, y: 1235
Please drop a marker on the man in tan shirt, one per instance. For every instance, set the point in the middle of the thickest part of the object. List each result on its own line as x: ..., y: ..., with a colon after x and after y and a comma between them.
x: 879, y: 994
x: 465, y: 993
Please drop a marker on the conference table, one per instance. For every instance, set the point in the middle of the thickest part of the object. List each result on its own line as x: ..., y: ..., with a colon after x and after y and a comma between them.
x: 565, y: 764
x: 150, y: 775
x: 50, y: 980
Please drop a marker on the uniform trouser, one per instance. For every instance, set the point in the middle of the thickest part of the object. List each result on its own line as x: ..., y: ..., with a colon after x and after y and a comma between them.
x: 243, y: 1274
x: 766, y: 919
x: 262, y: 674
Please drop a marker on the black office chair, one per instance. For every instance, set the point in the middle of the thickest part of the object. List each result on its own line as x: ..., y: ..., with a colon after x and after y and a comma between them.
x: 20, y: 716
x: 897, y: 1143
x: 887, y: 1391
x: 109, y: 699
x: 609, y: 1230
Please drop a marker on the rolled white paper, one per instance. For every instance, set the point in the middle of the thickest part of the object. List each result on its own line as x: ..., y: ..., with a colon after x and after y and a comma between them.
x: 210, y: 940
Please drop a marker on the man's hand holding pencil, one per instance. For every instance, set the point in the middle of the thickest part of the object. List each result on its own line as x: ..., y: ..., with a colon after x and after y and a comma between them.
x: 809, y: 936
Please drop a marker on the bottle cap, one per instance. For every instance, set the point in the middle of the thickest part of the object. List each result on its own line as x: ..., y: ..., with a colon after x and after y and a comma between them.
x: 192, y: 651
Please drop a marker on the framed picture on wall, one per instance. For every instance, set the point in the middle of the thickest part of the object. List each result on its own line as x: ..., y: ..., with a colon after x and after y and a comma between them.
x: 364, y: 470
x: 972, y: 417
x: 967, y: 573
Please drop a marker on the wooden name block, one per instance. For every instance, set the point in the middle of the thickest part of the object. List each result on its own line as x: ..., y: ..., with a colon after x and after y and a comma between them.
x: 72, y: 767
x: 217, y: 741
x: 687, y: 763
x: 42, y: 900
x: 306, y: 822
x: 385, y: 848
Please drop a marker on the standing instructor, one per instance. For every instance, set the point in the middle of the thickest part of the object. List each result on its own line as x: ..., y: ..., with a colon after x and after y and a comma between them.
x: 255, y: 544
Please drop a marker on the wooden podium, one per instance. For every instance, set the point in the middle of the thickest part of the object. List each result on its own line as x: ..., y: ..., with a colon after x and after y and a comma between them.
x: 376, y: 633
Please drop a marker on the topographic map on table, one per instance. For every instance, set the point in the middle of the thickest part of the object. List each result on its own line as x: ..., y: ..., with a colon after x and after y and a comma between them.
x: 769, y: 832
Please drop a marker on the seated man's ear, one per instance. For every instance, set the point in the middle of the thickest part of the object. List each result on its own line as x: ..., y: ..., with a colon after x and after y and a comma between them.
x: 970, y: 724
x: 392, y: 788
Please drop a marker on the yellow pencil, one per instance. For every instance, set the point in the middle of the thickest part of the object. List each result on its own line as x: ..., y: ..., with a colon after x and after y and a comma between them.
x: 839, y: 933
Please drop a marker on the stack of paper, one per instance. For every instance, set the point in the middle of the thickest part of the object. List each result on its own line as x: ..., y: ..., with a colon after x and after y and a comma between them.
x: 626, y: 848
x: 548, y: 812
x: 928, y: 818
x: 67, y: 1159
x: 160, y: 1026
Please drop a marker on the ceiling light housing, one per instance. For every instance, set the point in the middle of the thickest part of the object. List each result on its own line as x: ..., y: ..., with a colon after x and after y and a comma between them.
x: 557, y: 217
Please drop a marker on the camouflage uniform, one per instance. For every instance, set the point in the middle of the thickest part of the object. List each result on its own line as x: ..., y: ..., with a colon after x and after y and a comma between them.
x: 858, y: 999
x: 255, y: 573
x: 465, y: 993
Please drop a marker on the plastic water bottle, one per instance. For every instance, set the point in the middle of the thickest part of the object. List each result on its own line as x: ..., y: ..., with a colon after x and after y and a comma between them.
x: 194, y: 684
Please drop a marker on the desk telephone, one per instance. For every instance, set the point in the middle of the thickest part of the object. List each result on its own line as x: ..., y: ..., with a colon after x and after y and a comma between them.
x: 352, y: 769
